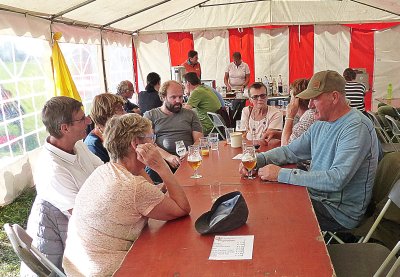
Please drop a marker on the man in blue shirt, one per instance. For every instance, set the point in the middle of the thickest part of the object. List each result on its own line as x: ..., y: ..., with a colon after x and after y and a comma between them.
x: 343, y: 148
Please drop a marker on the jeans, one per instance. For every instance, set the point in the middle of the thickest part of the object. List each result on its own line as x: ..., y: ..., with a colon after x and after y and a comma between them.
x: 325, y: 220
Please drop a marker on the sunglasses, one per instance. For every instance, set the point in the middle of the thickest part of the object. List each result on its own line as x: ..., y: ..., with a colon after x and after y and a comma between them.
x: 152, y: 137
x: 261, y: 96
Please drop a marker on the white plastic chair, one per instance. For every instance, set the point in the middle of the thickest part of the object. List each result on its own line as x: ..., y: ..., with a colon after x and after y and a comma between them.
x: 30, y: 255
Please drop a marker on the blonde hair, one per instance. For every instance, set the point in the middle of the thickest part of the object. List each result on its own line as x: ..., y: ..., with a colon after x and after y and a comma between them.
x: 104, y: 106
x: 121, y: 130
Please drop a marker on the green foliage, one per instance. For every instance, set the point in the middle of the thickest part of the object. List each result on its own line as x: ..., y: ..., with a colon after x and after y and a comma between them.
x: 16, y: 212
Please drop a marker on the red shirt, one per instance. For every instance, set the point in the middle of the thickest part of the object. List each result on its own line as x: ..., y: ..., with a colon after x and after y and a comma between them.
x: 193, y: 68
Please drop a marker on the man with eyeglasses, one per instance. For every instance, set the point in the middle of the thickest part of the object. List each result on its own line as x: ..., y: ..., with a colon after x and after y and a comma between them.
x: 172, y: 123
x: 63, y: 166
x: 259, y: 118
x: 125, y: 90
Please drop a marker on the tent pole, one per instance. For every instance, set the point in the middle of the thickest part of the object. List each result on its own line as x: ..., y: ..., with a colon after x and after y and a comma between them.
x: 71, y: 9
x: 103, y: 61
x: 371, y: 6
x: 135, y: 13
x: 169, y: 16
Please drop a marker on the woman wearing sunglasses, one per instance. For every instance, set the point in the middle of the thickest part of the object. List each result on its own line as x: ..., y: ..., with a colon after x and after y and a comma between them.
x: 259, y: 117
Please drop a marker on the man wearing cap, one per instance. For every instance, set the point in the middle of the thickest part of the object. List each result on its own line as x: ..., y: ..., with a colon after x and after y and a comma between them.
x: 343, y: 147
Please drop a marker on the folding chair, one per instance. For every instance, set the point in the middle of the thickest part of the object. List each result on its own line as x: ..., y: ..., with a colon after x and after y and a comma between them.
x: 394, y: 196
x: 364, y: 259
x: 394, y: 124
x: 218, y: 123
x: 30, y: 255
x: 386, y: 142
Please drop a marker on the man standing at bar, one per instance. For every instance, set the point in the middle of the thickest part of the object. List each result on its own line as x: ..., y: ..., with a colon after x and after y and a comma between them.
x: 237, y: 74
x: 192, y: 64
x: 343, y: 147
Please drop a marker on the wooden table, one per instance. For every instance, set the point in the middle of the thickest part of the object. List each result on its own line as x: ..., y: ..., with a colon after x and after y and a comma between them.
x: 394, y: 102
x: 287, y: 239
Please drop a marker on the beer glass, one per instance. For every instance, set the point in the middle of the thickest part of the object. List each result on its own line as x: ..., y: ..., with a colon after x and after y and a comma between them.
x: 180, y: 148
x: 249, y: 160
x: 204, y: 147
x: 194, y: 160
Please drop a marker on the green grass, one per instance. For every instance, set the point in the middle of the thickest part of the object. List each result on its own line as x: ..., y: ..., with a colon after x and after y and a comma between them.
x: 16, y: 212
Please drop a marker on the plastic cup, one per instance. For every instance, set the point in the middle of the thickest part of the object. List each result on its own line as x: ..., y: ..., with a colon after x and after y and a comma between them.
x: 204, y: 147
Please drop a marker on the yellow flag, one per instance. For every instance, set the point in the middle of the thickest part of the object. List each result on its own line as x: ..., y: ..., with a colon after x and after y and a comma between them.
x: 65, y: 85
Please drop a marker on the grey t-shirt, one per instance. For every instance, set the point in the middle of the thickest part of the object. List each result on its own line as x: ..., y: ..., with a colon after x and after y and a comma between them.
x: 171, y: 128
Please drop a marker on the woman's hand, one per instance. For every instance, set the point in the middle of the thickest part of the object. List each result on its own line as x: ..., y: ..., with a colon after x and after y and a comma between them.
x: 293, y: 107
x: 149, y: 155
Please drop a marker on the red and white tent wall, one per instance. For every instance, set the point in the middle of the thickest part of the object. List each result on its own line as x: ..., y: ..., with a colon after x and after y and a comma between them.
x: 292, y: 51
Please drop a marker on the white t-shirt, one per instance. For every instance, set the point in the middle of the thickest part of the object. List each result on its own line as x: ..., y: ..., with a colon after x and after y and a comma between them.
x: 237, y: 74
x: 59, y: 175
x: 272, y: 120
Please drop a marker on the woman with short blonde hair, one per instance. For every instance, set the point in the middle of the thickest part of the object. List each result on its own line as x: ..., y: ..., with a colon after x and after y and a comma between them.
x: 115, y: 202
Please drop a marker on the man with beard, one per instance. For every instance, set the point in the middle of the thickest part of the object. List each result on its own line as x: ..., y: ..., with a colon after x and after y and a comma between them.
x: 171, y: 122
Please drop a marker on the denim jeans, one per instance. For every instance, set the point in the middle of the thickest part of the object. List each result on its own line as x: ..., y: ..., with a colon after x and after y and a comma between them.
x: 325, y: 220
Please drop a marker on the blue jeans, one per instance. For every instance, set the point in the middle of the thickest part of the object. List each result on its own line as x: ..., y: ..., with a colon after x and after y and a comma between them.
x: 325, y: 220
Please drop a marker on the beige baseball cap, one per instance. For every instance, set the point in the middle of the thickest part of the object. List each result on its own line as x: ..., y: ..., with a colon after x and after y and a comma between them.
x: 323, y: 81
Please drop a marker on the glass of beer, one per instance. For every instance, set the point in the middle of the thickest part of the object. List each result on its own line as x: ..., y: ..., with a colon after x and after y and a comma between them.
x: 249, y: 160
x: 204, y: 147
x: 194, y: 159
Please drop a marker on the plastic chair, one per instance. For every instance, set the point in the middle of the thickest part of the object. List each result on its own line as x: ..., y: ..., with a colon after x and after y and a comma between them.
x: 30, y: 255
x: 218, y: 123
x: 364, y: 259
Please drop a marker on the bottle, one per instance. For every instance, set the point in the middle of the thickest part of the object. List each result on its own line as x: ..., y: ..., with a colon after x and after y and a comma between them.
x: 280, y: 87
x: 266, y: 84
x: 274, y: 87
x: 389, y: 91
x: 271, y: 86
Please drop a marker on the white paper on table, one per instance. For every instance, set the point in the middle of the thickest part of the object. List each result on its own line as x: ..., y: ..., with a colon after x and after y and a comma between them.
x: 232, y: 248
x: 237, y: 157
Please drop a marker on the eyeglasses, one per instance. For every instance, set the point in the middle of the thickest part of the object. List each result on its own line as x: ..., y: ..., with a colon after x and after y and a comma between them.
x: 152, y: 137
x: 261, y: 96
x: 79, y: 120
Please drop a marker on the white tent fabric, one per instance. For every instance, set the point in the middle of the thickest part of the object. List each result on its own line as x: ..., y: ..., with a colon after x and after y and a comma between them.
x: 387, y: 62
x: 72, y: 34
x: 331, y: 47
x: 271, y: 50
x: 155, y: 16
x: 153, y: 56
x: 213, y: 48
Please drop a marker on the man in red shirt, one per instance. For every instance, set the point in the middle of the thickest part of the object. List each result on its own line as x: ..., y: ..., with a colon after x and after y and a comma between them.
x: 192, y: 64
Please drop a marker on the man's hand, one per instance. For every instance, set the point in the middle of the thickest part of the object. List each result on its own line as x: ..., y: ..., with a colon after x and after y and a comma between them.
x: 269, y: 172
x: 173, y: 161
x: 242, y: 170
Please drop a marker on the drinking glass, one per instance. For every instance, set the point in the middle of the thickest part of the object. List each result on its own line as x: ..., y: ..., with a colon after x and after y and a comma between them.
x: 194, y: 159
x: 180, y: 148
x: 213, y: 140
x: 204, y: 147
x: 228, y: 132
x: 249, y: 160
x: 240, y: 126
